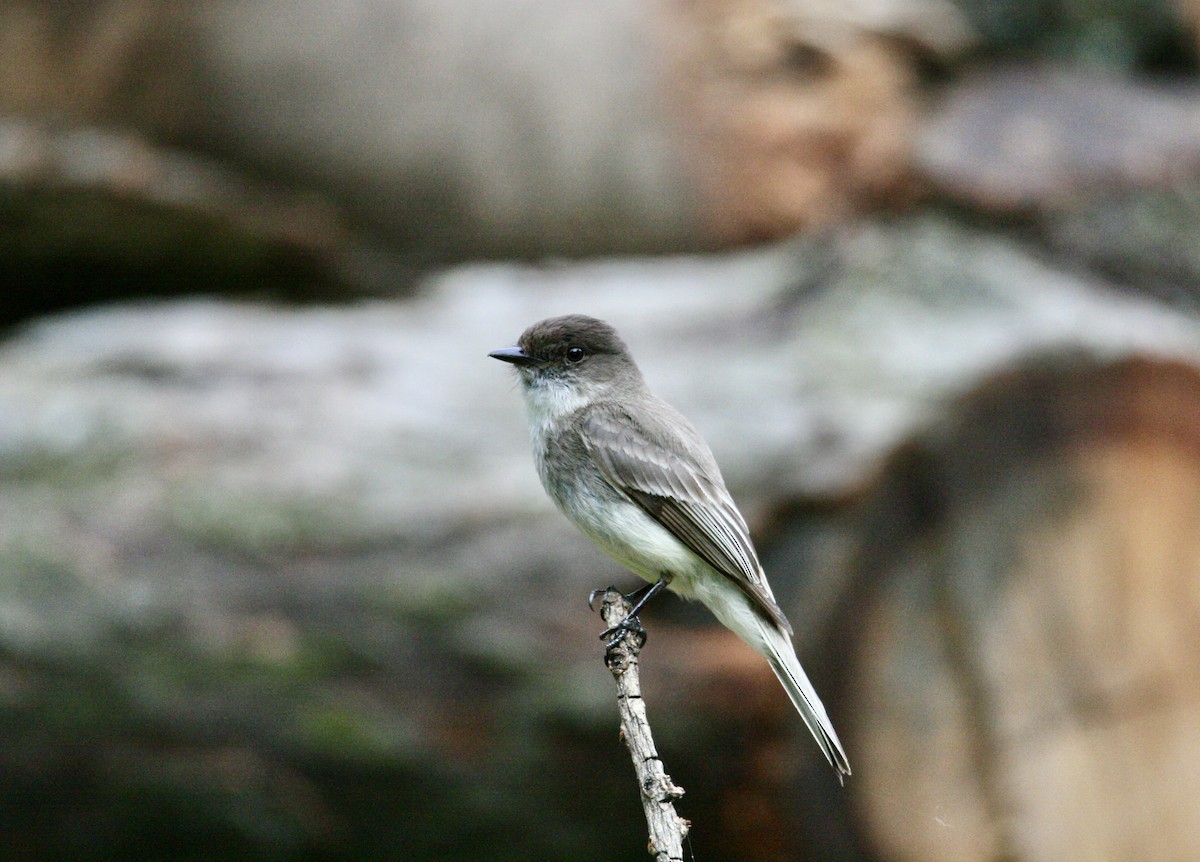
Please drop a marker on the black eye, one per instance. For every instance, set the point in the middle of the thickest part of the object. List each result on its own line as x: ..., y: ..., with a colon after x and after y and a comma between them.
x: 575, y: 354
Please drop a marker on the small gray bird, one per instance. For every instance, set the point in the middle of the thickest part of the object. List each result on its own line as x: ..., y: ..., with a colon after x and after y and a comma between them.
x: 636, y: 478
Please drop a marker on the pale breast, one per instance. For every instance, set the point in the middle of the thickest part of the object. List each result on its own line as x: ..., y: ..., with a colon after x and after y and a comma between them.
x: 604, y: 514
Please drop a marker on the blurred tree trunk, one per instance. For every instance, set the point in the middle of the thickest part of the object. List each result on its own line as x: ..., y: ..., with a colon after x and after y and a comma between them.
x: 1025, y: 684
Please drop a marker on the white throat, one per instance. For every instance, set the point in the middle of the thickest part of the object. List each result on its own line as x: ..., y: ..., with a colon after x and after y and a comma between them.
x: 548, y: 402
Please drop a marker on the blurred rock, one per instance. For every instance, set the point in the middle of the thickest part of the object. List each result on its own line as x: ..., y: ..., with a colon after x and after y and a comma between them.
x: 1143, y: 238
x: 255, y: 562
x: 1022, y: 138
x: 453, y: 129
x: 1101, y: 172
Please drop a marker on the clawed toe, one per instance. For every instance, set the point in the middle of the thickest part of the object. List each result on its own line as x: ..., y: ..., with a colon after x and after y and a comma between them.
x: 592, y: 596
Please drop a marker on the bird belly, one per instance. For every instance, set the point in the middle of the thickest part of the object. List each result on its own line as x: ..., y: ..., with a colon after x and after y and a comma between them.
x: 635, y: 540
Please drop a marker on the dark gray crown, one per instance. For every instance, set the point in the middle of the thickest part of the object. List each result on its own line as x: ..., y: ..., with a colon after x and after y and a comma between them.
x: 550, y: 339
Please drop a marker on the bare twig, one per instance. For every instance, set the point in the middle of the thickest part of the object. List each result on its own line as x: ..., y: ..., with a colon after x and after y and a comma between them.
x: 657, y: 790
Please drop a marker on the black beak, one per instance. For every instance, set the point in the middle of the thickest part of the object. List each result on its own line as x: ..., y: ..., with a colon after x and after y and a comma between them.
x: 515, y: 355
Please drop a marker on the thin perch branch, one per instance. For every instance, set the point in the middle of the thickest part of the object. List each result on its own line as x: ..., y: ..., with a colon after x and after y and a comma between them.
x: 658, y: 792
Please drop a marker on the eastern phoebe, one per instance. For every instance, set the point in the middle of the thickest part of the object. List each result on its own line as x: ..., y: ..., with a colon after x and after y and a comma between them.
x: 637, y: 479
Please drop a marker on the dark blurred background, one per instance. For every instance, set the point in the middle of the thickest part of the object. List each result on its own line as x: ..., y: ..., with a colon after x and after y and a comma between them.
x: 277, y: 580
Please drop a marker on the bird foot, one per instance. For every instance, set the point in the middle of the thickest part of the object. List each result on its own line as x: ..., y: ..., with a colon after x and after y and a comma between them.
x: 619, y: 632
x: 631, y: 623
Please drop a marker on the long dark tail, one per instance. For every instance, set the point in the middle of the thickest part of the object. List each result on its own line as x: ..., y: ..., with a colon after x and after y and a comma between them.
x: 782, y: 657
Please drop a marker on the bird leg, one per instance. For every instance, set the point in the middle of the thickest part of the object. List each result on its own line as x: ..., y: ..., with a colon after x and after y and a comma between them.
x: 631, y: 623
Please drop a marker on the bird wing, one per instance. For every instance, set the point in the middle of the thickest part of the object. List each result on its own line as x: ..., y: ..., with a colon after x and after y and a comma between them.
x: 680, y: 487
